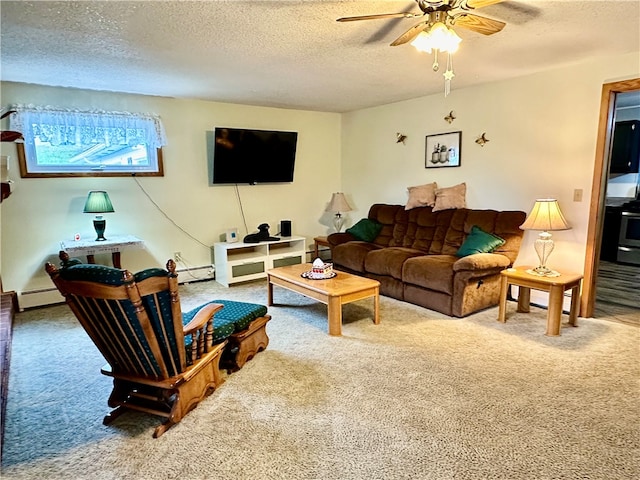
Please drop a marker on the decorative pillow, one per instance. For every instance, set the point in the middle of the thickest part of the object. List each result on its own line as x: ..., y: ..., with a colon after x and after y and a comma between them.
x: 366, y: 230
x: 479, y: 241
x: 421, y: 196
x: 451, y: 197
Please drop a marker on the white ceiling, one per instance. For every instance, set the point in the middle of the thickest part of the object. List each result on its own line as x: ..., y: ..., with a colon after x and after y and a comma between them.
x: 291, y: 54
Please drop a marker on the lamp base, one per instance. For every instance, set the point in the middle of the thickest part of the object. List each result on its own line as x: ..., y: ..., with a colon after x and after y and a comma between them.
x: 543, y: 246
x: 542, y: 271
x: 100, y: 225
x: 338, y: 222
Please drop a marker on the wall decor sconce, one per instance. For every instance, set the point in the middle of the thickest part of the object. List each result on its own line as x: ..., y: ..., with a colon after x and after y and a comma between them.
x: 481, y: 140
x: 450, y: 118
x: 400, y: 138
x: 98, y: 202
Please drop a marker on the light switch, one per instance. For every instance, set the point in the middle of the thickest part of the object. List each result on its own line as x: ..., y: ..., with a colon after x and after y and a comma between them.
x: 577, y: 195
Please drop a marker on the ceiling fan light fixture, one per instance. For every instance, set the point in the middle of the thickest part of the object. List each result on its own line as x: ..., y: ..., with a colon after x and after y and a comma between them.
x: 439, y: 38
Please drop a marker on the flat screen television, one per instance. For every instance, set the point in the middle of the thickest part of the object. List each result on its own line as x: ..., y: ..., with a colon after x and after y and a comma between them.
x: 253, y: 156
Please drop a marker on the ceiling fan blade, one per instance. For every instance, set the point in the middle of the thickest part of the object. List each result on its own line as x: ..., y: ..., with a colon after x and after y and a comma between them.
x: 471, y: 4
x: 378, y: 16
x: 410, y: 34
x: 483, y: 25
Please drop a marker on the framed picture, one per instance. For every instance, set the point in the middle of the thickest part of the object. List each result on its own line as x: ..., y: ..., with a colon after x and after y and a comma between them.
x: 443, y: 150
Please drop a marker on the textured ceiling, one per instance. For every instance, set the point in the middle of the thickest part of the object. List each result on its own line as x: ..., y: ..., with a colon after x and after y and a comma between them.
x: 291, y: 54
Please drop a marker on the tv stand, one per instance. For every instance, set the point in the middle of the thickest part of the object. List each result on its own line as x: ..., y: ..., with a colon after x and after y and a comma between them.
x: 240, y: 262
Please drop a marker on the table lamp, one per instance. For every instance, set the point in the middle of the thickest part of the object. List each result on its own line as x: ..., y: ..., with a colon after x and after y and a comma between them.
x: 545, y: 216
x: 98, y: 202
x: 338, y: 204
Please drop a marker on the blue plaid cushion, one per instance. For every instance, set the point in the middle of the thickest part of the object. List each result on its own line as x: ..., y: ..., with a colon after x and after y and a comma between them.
x: 89, y: 272
x: 241, y: 313
x: 150, y: 272
x: 222, y: 327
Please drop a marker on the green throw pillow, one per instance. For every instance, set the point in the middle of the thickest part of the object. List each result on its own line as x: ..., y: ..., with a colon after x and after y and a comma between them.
x: 365, y: 230
x: 479, y: 241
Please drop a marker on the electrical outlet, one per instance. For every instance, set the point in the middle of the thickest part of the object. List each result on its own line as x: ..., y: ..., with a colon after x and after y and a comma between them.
x: 177, y: 256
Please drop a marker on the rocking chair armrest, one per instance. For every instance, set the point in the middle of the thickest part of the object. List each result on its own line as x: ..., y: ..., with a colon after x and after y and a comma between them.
x: 202, y: 317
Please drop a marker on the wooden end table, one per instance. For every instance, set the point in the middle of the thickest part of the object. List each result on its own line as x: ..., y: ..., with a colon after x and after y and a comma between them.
x: 333, y: 292
x: 556, y: 286
x: 317, y: 242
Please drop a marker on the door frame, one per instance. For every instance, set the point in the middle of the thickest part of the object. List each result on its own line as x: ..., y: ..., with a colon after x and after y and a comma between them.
x: 598, y: 190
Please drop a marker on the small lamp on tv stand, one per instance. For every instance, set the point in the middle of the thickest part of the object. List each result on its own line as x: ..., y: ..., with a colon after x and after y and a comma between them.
x: 98, y: 202
x: 337, y: 205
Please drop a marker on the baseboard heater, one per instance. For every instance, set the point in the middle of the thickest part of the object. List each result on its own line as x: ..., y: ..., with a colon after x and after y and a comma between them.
x: 42, y: 297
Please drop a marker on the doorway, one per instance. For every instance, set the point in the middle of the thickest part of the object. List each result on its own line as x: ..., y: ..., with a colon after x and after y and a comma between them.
x: 610, y: 92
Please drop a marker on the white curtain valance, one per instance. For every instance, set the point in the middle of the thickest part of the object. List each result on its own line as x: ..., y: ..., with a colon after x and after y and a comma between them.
x: 60, y: 126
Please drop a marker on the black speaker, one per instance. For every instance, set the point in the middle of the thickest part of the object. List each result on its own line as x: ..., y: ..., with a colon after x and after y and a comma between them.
x: 285, y: 228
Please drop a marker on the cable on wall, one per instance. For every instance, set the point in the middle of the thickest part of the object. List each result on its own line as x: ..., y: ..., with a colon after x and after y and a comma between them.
x: 167, y: 216
x: 187, y: 267
x: 244, y: 220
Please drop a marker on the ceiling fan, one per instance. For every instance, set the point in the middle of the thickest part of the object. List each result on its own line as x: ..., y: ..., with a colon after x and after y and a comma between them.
x: 449, y: 12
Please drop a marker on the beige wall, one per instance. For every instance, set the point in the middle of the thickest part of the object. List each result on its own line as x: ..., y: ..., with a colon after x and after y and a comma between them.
x: 42, y: 212
x: 542, y: 131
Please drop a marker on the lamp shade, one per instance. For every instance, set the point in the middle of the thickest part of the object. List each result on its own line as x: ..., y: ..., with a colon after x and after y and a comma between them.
x: 338, y: 204
x: 438, y: 37
x: 546, y: 216
x: 98, y: 202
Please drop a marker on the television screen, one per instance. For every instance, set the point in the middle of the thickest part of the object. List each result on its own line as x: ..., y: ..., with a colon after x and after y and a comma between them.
x: 253, y: 156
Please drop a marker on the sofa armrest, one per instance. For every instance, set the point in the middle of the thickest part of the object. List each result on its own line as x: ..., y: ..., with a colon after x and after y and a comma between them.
x: 340, y: 237
x: 481, y: 261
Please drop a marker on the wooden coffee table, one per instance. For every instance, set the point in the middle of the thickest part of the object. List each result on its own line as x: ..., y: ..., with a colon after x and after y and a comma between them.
x: 333, y: 292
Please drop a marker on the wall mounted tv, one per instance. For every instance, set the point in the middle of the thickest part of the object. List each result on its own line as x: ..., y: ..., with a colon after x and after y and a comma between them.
x: 253, y: 156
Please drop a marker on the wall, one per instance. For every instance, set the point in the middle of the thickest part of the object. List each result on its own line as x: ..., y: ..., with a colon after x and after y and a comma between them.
x: 42, y: 212
x: 542, y: 137
x: 541, y: 129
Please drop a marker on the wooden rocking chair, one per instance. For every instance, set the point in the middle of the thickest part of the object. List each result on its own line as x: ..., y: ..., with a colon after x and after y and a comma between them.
x: 158, y: 366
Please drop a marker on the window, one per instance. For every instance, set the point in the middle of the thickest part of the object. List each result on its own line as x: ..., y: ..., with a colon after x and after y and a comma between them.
x: 63, y: 143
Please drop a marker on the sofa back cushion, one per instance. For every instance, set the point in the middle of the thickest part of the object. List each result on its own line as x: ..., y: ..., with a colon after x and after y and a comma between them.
x: 503, y: 224
x: 443, y: 232
x: 386, y: 215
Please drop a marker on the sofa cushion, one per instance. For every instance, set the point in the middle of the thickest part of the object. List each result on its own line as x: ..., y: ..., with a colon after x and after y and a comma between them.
x: 421, y: 196
x: 479, y: 241
x: 434, y: 272
x: 451, y: 197
x: 481, y: 261
x: 389, y: 261
x: 351, y: 255
x: 388, y: 216
x: 366, y: 230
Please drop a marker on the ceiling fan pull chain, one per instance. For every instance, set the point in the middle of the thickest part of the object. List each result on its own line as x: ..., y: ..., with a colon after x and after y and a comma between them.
x: 435, y: 65
x: 448, y: 75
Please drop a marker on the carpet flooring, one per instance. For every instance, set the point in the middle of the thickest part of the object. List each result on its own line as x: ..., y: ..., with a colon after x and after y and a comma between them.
x: 419, y: 396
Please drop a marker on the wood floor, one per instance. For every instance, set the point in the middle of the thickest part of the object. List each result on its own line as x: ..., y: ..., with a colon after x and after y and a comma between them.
x: 618, y: 292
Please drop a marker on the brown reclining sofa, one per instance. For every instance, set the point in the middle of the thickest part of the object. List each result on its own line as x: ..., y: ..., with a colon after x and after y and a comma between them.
x: 416, y: 254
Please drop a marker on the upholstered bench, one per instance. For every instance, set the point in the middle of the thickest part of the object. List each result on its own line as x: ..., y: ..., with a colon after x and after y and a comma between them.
x: 244, y: 326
